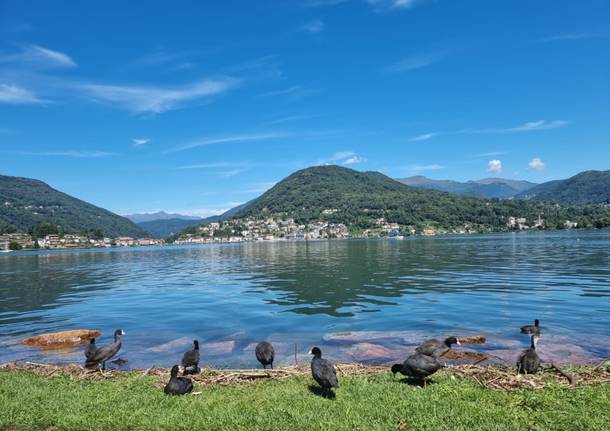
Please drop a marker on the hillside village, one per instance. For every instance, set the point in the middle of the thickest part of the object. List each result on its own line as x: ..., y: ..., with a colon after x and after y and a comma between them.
x: 19, y: 241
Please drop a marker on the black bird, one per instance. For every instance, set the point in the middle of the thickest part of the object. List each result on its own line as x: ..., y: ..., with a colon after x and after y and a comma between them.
x: 323, y: 371
x: 102, y: 354
x: 529, y: 362
x: 91, y: 348
x: 265, y: 354
x: 178, y: 385
x: 418, y: 366
x: 437, y: 348
x: 531, y: 329
x: 190, y: 359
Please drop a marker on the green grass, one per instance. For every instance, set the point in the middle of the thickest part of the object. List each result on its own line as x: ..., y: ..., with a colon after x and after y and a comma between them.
x: 371, y: 402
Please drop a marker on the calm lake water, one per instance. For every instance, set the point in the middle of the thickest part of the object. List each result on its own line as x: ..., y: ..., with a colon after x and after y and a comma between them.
x: 360, y: 300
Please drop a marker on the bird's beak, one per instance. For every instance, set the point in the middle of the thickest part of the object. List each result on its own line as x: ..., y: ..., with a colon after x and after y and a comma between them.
x: 310, y: 353
x: 458, y: 342
x: 122, y: 332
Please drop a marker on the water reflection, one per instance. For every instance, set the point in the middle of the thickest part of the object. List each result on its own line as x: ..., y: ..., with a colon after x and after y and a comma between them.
x: 299, y: 292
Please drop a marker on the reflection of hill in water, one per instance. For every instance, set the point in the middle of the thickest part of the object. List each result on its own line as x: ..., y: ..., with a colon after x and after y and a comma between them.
x: 341, y: 278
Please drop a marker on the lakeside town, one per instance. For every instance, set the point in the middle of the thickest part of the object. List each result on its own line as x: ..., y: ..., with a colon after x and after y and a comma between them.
x: 253, y: 230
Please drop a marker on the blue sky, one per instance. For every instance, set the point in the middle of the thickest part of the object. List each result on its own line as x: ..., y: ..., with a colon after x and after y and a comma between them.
x: 195, y: 106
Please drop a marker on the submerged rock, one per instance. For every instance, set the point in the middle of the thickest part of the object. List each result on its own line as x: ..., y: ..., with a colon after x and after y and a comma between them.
x: 61, y: 340
x: 367, y: 336
x: 171, y: 345
x: 218, y: 348
x: 363, y: 352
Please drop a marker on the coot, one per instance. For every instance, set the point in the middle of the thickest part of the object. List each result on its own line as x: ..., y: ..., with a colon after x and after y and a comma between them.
x: 529, y: 362
x: 178, y: 385
x: 437, y: 348
x: 265, y: 354
x: 323, y: 371
x: 190, y: 359
x: 531, y: 329
x: 102, y: 354
x: 418, y: 366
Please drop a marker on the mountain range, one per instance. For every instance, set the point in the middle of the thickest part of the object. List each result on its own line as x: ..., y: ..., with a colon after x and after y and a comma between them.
x: 26, y: 203
x: 159, y: 215
x: 500, y: 188
x: 357, y: 199
x: 589, y: 187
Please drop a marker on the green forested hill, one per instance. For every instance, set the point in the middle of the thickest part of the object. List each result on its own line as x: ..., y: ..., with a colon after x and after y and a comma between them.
x: 589, y: 187
x: 166, y: 227
x: 361, y: 197
x: 26, y: 203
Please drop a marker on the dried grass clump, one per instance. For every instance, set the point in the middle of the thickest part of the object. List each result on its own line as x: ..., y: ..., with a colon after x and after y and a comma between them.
x: 494, y: 377
x: 506, y: 378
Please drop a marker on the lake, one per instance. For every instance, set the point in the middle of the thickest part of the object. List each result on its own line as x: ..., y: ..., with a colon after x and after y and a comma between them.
x: 359, y: 300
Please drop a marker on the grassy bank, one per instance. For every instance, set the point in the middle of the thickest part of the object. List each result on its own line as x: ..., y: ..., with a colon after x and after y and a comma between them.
x: 365, y: 401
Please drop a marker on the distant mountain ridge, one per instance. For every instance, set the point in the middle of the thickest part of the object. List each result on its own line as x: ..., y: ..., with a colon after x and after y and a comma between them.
x: 159, y: 215
x: 500, y: 188
x: 26, y: 202
x: 585, y: 188
x: 164, y: 227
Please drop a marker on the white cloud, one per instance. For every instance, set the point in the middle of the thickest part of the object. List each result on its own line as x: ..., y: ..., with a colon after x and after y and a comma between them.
x: 294, y: 93
x: 50, y: 56
x: 291, y: 118
x: 492, y: 153
x: 530, y: 126
x: 425, y: 136
x: 322, y: 3
x: 537, y: 164
x: 413, y: 63
x: 140, y: 142
x: 35, y: 55
x: 342, y: 157
x: 231, y: 173
x: 216, y: 165
x: 69, y: 153
x: 354, y: 160
x: 315, y: 26
x: 143, y: 99
x: 534, y: 125
x: 228, y: 139
x: 15, y: 95
x: 423, y: 168
x: 494, y: 166
x: 392, y: 4
x: 568, y: 37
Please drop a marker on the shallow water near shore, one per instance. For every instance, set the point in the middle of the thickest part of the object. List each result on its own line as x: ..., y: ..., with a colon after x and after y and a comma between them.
x: 360, y: 300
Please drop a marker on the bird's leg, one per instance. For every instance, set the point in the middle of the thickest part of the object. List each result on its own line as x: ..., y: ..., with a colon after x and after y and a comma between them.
x: 271, y: 365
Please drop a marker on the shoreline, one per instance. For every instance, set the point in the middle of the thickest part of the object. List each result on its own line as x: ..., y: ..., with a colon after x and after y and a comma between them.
x: 27, y: 251
x: 493, y: 376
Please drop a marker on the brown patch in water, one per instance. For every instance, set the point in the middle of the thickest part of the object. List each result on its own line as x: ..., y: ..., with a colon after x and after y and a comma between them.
x: 61, y: 340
